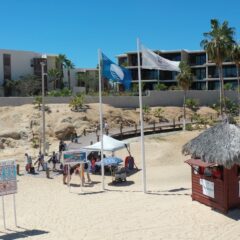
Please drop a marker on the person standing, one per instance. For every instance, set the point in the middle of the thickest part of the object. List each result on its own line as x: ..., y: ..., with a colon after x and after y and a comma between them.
x: 28, y: 162
x: 54, y: 160
x: 40, y: 161
x: 106, y: 127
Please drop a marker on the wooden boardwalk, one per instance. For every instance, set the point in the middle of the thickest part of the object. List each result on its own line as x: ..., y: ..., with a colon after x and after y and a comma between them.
x: 126, y: 132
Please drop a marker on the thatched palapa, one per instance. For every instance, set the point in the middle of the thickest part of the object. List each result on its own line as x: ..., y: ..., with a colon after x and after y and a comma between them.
x: 219, y: 144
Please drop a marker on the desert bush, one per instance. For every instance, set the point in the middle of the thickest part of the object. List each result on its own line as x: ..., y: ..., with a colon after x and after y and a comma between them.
x: 192, y: 103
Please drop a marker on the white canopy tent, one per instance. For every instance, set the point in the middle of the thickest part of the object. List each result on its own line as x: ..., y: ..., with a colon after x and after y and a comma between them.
x: 109, y: 144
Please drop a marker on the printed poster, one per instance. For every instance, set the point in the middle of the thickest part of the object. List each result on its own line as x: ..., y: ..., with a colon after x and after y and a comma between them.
x: 74, y: 157
x: 8, y: 177
x: 207, y: 188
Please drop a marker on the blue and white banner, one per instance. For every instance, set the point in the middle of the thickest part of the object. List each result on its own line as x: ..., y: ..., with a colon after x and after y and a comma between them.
x: 74, y: 157
x: 113, y: 72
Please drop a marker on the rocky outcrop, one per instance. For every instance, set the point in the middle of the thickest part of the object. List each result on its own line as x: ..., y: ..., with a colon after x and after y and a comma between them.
x: 10, y: 134
x: 64, y: 131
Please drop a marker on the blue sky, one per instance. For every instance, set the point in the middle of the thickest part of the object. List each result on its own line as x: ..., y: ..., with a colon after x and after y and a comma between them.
x: 79, y: 28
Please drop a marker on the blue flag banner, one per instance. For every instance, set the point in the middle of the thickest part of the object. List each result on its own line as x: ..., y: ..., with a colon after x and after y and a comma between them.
x: 114, y: 72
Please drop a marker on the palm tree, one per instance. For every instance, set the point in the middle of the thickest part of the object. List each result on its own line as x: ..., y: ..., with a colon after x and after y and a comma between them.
x: 54, y: 76
x: 218, y: 44
x: 60, y: 63
x: 184, y: 81
x: 235, y: 54
x: 69, y: 65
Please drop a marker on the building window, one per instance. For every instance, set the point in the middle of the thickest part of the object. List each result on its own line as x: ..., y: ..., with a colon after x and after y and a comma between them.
x: 229, y: 71
x: 7, y: 66
x: 213, y: 85
x: 197, y: 59
x: 123, y: 61
x: 37, y: 67
x: 199, y: 73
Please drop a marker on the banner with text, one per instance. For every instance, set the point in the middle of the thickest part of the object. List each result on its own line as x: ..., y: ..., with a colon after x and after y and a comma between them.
x: 75, y: 156
x: 8, y: 177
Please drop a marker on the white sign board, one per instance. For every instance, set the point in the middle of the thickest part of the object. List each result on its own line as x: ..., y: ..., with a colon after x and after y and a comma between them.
x: 74, y: 156
x: 8, y: 177
x: 207, y: 188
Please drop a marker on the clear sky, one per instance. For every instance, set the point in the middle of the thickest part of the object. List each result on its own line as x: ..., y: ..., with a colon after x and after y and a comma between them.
x: 78, y: 28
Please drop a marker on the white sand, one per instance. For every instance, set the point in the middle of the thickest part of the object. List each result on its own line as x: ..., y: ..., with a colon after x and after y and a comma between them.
x: 166, y: 212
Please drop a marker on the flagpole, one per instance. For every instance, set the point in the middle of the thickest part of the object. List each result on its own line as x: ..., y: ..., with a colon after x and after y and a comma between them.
x: 141, y: 119
x: 101, y: 115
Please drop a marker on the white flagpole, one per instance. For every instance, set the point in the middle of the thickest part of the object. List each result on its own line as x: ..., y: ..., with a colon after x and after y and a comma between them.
x: 101, y: 115
x: 141, y: 120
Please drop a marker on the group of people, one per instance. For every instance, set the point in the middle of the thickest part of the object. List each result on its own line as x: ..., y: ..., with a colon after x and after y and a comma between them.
x: 41, y: 163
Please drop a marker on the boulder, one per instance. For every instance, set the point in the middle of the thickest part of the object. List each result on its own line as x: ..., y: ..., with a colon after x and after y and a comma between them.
x: 10, y: 134
x: 64, y: 131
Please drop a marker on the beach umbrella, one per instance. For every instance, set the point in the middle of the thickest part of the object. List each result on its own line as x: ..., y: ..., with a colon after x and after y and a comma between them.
x: 219, y: 144
x: 113, y: 161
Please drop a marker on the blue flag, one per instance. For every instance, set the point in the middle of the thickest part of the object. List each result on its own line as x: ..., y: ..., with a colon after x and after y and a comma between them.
x: 112, y: 71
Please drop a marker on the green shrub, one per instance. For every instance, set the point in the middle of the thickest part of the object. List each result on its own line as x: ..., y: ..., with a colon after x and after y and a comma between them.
x: 76, y: 103
x: 160, y: 87
x: 192, y: 103
x: 189, y: 127
x: 65, y: 92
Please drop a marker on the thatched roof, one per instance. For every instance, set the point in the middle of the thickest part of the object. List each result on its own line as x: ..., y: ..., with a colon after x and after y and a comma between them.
x: 219, y: 144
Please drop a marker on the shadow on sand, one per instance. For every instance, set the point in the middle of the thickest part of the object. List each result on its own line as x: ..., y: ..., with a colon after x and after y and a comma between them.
x: 171, y: 192
x: 121, y: 184
x: 22, y: 234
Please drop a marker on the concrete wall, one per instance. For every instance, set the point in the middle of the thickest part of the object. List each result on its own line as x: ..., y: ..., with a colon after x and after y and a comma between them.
x: 154, y: 98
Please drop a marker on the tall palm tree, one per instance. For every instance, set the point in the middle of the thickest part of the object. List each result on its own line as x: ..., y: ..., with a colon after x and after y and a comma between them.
x: 184, y: 78
x: 69, y: 65
x: 218, y: 44
x: 54, y: 75
x: 60, y: 63
x: 235, y: 54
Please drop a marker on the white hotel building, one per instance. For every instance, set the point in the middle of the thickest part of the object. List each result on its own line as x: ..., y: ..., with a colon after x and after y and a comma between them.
x: 15, y: 64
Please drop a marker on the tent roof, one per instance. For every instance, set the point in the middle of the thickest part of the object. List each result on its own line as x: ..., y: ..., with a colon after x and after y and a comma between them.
x: 109, y: 144
x: 219, y: 144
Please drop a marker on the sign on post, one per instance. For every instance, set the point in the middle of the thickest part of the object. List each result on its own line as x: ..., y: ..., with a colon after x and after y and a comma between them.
x: 8, y: 184
x: 74, y: 156
x: 8, y: 177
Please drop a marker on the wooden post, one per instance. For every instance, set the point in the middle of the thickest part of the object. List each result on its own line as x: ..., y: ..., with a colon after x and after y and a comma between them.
x: 121, y: 128
x: 18, y: 169
x: 47, y: 172
x: 154, y: 126
x: 97, y: 138
x: 173, y: 123
x: 84, y: 132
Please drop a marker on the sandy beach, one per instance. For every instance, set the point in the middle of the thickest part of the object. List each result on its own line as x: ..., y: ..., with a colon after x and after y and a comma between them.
x: 47, y: 210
